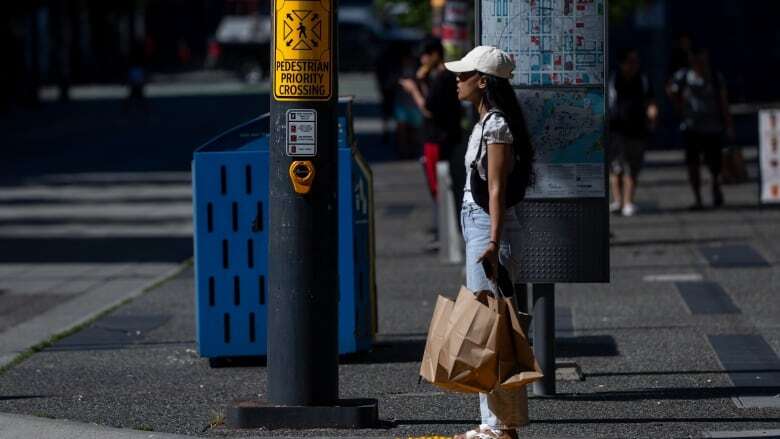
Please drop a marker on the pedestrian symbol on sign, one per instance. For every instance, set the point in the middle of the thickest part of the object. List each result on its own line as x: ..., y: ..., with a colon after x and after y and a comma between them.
x: 302, y: 20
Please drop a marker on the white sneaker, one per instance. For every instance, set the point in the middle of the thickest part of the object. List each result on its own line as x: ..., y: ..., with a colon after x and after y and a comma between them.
x: 629, y: 210
x: 614, y: 207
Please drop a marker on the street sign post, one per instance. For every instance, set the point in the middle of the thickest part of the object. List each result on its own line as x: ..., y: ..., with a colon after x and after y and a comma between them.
x: 303, y: 385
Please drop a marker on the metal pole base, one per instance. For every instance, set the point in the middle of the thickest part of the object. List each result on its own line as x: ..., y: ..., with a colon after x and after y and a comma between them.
x: 544, y: 337
x: 347, y: 413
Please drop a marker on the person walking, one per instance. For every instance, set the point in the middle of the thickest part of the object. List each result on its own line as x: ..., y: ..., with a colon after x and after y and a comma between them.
x: 498, y: 143
x: 632, y: 114
x: 700, y: 97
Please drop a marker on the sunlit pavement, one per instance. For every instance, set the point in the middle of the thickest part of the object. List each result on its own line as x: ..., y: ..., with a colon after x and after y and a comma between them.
x: 682, y: 343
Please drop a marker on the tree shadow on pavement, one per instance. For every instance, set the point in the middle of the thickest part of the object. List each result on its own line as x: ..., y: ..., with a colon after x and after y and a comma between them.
x: 586, y: 346
x: 673, y: 393
x: 434, y: 421
x: 678, y: 241
x: 95, y: 136
x: 20, y: 397
x: 728, y: 207
x: 663, y: 420
x: 395, y: 351
x: 99, y: 249
x: 675, y: 372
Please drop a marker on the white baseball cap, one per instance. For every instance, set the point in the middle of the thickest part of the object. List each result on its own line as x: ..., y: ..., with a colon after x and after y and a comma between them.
x: 484, y: 59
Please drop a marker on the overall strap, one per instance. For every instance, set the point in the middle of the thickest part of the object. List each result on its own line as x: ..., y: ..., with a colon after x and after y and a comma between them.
x: 482, y: 137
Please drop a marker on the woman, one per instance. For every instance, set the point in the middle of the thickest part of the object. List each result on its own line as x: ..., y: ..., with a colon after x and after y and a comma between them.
x: 483, y: 79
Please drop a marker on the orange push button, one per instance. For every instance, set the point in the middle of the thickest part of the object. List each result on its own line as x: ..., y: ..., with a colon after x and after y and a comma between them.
x: 302, y: 176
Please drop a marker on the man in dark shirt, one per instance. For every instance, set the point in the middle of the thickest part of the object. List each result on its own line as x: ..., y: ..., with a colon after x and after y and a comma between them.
x: 435, y: 93
x: 632, y: 113
x: 699, y: 94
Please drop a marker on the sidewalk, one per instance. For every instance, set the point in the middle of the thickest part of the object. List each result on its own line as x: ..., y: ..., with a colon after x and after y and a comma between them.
x: 28, y: 427
x: 659, y: 353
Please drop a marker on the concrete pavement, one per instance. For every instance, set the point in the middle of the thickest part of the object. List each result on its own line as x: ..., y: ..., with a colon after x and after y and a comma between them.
x: 73, y: 248
x: 651, y: 362
x: 29, y: 427
x: 683, y: 342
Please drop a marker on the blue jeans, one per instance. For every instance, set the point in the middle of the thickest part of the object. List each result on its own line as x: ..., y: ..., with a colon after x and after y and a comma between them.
x: 500, y: 409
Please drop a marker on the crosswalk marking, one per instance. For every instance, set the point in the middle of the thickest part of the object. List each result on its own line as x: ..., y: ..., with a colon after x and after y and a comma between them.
x: 98, y: 205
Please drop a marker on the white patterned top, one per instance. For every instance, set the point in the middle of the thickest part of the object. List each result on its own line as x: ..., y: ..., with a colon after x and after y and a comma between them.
x: 496, y: 131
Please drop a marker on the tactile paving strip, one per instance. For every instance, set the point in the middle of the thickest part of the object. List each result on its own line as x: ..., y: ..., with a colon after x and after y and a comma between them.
x: 732, y: 256
x: 753, y: 366
x: 706, y: 298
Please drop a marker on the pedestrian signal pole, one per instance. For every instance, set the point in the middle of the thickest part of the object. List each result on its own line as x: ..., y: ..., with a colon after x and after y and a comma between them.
x: 303, y: 385
x: 302, y: 246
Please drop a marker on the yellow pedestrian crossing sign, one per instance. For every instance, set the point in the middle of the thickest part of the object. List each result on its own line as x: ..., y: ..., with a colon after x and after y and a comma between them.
x: 303, y: 56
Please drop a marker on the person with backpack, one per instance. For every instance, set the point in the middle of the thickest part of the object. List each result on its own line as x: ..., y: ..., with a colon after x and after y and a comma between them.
x: 700, y: 97
x: 632, y: 114
x: 499, y: 167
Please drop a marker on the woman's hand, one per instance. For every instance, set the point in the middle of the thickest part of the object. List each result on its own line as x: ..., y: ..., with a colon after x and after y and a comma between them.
x: 490, y: 257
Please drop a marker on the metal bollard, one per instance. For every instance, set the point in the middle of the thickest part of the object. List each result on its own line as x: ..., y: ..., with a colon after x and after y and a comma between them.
x: 450, y: 239
x: 544, y: 337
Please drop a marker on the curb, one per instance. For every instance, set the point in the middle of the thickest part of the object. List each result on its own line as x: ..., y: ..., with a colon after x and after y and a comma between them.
x: 30, y: 427
x: 35, y: 334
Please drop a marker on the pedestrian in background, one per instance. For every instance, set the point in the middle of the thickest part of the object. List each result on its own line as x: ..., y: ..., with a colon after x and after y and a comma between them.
x: 632, y: 115
x: 136, y: 81
x: 498, y: 137
x: 700, y: 97
x: 408, y: 119
x: 434, y: 93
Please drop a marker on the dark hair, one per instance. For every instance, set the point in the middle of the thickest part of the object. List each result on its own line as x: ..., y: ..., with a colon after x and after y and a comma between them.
x: 624, y: 53
x: 500, y: 95
x: 431, y: 45
x: 700, y: 51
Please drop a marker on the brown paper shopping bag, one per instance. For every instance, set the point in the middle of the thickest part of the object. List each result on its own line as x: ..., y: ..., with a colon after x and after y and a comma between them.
x: 430, y: 368
x: 517, y: 365
x: 461, y: 354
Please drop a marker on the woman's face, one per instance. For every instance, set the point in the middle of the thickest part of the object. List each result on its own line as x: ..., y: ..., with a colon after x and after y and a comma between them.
x: 469, y: 86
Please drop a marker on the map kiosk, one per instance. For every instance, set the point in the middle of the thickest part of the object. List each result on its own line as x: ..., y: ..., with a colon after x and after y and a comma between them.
x: 559, y: 48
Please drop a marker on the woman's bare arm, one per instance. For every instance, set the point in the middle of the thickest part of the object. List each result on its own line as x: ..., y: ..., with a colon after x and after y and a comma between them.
x: 499, y: 156
x: 498, y: 164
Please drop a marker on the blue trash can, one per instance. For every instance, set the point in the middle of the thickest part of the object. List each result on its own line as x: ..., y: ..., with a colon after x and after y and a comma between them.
x: 230, y: 211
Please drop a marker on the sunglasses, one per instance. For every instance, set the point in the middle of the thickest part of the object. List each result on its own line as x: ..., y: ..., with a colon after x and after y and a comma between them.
x: 463, y: 76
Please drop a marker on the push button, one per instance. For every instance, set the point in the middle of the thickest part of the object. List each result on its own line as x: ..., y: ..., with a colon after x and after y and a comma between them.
x: 302, y: 176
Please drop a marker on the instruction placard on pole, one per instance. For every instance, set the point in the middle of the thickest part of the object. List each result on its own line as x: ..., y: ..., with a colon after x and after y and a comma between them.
x: 302, y: 56
x: 301, y: 133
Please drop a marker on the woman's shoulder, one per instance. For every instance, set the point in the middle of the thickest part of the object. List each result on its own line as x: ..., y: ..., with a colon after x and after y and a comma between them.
x: 497, y: 129
x: 495, y: 119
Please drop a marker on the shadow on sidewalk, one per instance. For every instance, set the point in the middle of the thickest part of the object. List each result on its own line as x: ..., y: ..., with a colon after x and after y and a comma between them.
x: 663, y: 420
x: 678, y: 241
x: 651, y: 208
x: 396, y: 351
x: 20, y: 397
x: 674, y: 393
x: 586, y: 346
x: 73, y: 250
x: 676, y: 372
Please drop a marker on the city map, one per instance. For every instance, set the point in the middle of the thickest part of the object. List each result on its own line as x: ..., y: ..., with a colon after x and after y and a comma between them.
x: 567, y: 131
x: 553, y: 42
